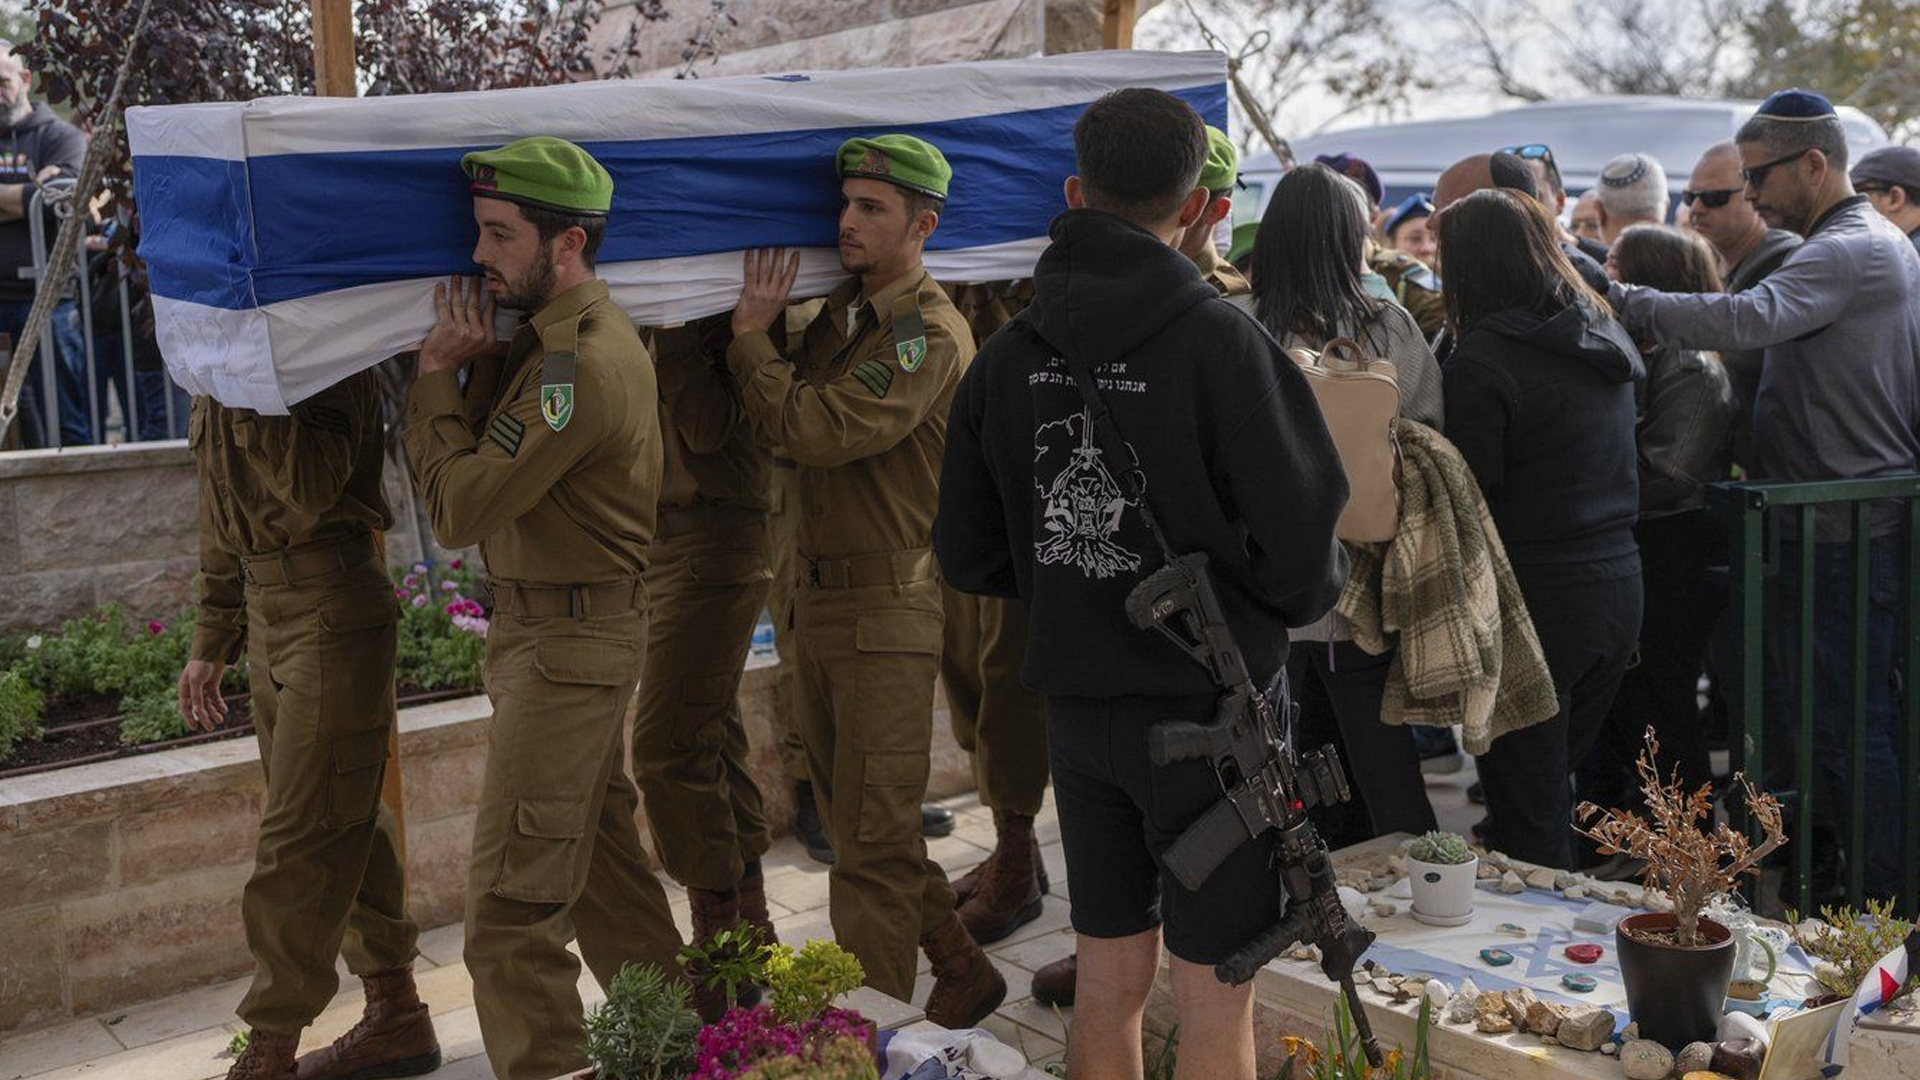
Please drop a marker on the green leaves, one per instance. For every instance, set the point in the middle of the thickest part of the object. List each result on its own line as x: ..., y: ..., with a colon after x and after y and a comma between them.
x: 21, y: 707
x: 805, y: 982
x: 644, y: 1030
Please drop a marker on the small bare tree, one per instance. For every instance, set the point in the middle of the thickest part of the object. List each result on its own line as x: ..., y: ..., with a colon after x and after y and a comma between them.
x: 1693, y: 865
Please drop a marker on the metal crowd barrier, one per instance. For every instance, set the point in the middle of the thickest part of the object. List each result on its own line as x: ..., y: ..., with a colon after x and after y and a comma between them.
x: 58, y: 193
x: 1758, y: 516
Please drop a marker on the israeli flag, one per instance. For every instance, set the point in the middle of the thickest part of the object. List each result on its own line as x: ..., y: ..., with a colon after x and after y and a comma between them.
x: 292, y: 242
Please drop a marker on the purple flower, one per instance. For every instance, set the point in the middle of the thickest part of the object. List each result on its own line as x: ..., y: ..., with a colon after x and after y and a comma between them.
x: 420, y: 601
x: 419, y: 568
x: 156, y: 627
x: 411, y: 581
x: 449, y: 586
x: 399, y: 593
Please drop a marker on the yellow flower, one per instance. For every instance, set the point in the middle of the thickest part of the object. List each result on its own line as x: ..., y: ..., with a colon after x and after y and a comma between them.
x: 1297, y: 1047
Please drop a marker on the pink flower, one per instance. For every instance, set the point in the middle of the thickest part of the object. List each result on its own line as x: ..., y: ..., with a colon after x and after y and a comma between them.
x: 458, y: 564
x: 449, y: 586
x: 419, y: 601
x: 411, y: 581
x: 399, y: 593
x: 155, y: 626
x: 419, y: 568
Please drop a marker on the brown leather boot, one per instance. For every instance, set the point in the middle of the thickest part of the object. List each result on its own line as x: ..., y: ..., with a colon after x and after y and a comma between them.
x: 712, y: 913
x: 268, y: 1056
x: 1008, y: 896
x: 1053, y: 984
x: 969, y: 882
x: 966, y: 985
x: 753, y: 903
x: 393, y: 1038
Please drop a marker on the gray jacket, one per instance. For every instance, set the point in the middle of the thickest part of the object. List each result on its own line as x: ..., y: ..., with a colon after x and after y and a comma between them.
x: 1839, y: 321
x: 1683, y: 429
x: 1743, y: 365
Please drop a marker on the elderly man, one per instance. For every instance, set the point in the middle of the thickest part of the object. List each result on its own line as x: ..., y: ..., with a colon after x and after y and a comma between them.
x: 1633, y: 191
x: 1890, y: 179
x: 1839, y: 398
x: 1749, y: 251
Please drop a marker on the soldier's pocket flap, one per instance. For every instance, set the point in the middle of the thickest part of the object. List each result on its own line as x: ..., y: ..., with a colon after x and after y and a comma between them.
x: 895, y: 769
x: 359, y: 610
x: 550, y: 819
x: 361, y: 750
x: 586, y: 661
x: 898, y: 631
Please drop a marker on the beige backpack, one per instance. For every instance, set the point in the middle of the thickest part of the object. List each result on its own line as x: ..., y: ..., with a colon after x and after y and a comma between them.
x: 1360, y: 399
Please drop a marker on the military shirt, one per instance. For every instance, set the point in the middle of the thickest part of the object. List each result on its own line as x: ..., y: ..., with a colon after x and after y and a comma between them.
x: 1413, y: 286
x: 1221, y: 274
x: 710, y: 455
x: 989, y: 305
x: 862, y: 409
x: 268, y: 483
x: 555, y: 489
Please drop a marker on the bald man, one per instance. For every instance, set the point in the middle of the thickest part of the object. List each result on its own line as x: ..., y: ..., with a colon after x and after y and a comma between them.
x: 1482, y: 171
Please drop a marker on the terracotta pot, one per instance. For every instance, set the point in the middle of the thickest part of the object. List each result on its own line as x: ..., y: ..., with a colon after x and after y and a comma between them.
x: 1677, y: 995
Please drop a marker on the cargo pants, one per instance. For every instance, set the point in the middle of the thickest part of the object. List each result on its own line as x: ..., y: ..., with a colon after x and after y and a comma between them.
x: 327, y: 874
x: 705, y: 589
x: 867, y: 634
x: 782, y: 523
x: 995, y: 718
x: 556, y: 848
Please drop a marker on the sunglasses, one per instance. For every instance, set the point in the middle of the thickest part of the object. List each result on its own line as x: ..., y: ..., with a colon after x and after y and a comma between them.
x: 1713, y: 200
x: 1757, y: 175
x: 1531, y: 151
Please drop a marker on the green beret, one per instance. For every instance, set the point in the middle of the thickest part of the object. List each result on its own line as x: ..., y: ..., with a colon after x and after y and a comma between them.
x: 902, y: 160
x: 1243, y: 235
x: 542, y: 171
x: 1222, y: 168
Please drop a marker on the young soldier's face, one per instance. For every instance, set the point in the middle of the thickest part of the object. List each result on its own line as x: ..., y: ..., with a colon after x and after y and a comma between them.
x: 517, y: 265
x: 878, y: 230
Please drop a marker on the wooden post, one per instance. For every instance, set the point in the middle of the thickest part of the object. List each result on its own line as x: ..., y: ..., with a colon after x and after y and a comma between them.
x: 333, y: 71
x: 1116, y: 28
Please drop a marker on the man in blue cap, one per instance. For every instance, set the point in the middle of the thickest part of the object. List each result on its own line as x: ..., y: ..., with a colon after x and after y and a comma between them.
x: 1839, y: 398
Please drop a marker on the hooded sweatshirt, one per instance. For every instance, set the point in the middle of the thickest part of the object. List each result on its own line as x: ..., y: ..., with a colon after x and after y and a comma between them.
x: 1238, y: 463
x: 40, y: 140
x: 1542, y: 408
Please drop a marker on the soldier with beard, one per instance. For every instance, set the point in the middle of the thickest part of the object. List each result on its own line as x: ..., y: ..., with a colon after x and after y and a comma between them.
x: 549, y: 458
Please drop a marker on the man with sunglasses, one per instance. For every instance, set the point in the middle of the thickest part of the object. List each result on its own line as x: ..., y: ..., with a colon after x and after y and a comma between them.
x: 1749, y: 251
x: 1890, y: 179
x: 1839, y: 398
x: 1551, y: 189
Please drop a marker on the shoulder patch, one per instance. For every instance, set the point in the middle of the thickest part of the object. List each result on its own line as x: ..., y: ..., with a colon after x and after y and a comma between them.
x: 875, y: 376
x: 556, y: 389
x: 325, y: 417
x: 909, y: 334
x: 506, y: 433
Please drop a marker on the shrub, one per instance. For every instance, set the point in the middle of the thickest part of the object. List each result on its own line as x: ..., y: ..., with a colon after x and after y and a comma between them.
x: 1853, y: 942
x: 76, y: 658
x: 644, y: 1030
x: 151, y: 717
x: 805, y: 982
x: 21, y: 707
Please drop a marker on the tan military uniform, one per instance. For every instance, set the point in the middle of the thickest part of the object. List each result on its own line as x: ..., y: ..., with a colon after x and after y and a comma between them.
x: 783, y: 526
x: 705, y: 590
x: 563, y: 519
x: 863, y: 411
x: 1222, y: 274
x: 1413, y: 285
x: 290, y: 567
x: 996, y: 719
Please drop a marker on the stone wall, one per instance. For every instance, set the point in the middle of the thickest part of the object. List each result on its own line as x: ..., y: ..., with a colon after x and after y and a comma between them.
x: 95, y: 524
x: 120, y: 881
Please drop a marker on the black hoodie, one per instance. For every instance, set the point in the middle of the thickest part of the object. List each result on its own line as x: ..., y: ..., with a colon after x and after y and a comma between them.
x: 1237, y: 458
x: 1542, y: 409
x: 40, y: 140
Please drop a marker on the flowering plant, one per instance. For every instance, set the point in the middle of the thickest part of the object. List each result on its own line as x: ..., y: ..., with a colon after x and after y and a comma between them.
x: 754, y: 1042
x: 443, y: 627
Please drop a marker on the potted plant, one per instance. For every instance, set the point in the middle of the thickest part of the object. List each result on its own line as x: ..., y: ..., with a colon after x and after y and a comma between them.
x: 1676, y: 964
x: 1850, y: 943
x: 1443, y: 871
x: 643, y: 1031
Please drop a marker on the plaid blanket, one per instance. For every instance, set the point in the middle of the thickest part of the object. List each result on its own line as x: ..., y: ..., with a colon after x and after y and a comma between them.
x: 1444, y: 592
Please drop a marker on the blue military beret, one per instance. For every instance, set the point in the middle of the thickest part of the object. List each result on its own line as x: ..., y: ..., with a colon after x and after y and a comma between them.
x: 1796, y: 104
x: 1417, y: 205
x: 1357, y: 170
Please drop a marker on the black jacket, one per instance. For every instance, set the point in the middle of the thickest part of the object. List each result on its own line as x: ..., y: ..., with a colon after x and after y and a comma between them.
x: 1238, y: 462
x: 1543, y: 411
x: 40, y: 140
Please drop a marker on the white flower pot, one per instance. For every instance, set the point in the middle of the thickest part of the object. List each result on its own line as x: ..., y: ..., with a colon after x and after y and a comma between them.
x: 1443, y: 893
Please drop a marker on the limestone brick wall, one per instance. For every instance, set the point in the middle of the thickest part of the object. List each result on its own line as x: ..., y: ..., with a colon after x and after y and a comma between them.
x: 120, y: 881
x: 95, y: 524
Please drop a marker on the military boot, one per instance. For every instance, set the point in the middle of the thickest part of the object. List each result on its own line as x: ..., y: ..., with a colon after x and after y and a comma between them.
x: 964, y: 888
x: 807, y: 827
x: 1008, y: 895
x: 753, y: 903
x: 393, y: 1038
x: 268, y: 1056
x: 966, y: 985
x: 712, y: 913
x: 1053, y: 984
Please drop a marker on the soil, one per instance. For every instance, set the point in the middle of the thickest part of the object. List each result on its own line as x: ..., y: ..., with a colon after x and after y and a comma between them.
x: 84, y: 729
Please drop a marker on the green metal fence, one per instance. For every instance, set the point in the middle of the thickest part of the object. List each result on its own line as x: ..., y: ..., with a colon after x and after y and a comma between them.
x: 1757, y: 516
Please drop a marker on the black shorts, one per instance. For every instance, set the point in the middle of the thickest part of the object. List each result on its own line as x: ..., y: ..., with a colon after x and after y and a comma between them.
x: 1118, y: 812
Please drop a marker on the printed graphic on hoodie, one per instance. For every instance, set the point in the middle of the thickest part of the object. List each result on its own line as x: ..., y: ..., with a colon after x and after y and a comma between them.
x: 1082, y: 505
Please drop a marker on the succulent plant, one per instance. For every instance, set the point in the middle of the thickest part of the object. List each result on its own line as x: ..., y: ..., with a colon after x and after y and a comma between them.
x: 1440, y: 849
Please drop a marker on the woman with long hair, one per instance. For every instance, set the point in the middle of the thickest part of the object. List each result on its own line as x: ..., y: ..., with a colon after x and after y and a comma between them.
x: 1540, y: 402
x: 1685, y: 436
x: 1307, y: 290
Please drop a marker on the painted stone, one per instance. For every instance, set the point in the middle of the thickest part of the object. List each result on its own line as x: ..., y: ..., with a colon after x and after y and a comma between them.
x: 1585, y: 953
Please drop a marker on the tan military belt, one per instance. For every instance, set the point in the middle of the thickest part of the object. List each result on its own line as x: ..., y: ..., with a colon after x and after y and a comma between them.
x: 305, y: 561
x: 565, y: 601
x: 886, y: 568
x: 686, y: 519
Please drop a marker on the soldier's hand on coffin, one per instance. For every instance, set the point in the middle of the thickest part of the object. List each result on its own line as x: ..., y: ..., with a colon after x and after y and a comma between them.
x: 201, y: 705
x: 463, y: 331
x: 768, y: 276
